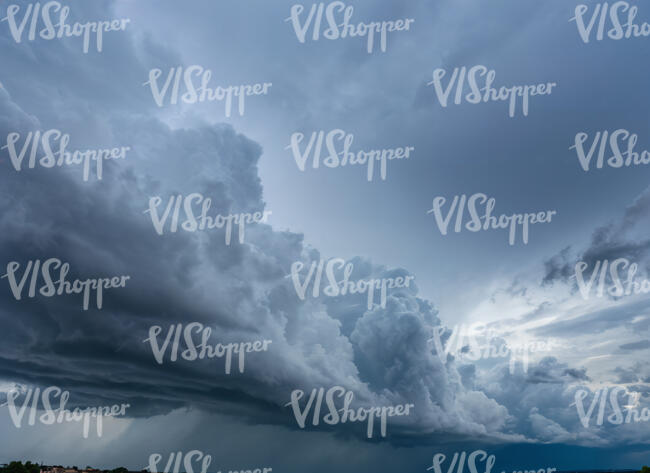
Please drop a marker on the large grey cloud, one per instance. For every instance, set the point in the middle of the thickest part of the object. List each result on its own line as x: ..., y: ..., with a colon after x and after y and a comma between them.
x: 241, y: 291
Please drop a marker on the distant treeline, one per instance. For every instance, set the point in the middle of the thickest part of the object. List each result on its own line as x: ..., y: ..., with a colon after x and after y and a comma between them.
x: 29, y: 467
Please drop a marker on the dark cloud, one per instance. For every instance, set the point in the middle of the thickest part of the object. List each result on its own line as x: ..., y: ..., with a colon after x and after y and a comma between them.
x: 640, y: 345
x: 242, y: 291
x: 608, y: 242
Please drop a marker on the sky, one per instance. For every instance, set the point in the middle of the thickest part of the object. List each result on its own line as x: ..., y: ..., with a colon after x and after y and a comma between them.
x: 248, y: 288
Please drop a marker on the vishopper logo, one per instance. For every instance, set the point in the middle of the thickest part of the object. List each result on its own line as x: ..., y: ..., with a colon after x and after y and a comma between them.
x: 618, y: 139
x: 60, y: 414
x: 487, y: 221
x: 338, y: 17
x: 619, y: 287
x: 343, y: 287
x: 346, y: 413
x: 199, y: 220
x: 344, y: 157
x: 631, y: 412
x: 206, y: 350
x: 49, y: 289
x: 175, y: 459
x: 202, y: 93
x: 476, y: 341
x: 61, y: 29
x: 49, y: 140
x: 609, y: 16
x: 459, y: 459
x: 485, y: 93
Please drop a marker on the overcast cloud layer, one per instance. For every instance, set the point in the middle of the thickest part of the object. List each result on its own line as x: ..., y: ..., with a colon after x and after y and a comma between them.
x: 244, y: 291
